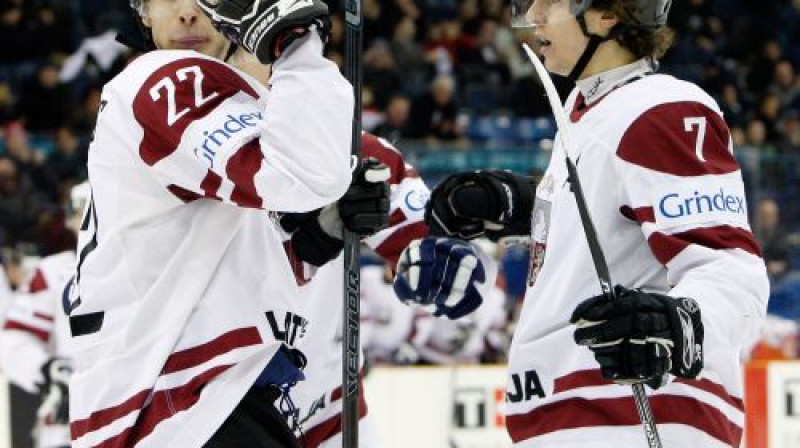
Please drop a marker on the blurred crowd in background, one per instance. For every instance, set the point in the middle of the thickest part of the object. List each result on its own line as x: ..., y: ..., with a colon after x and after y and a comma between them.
x: 442, y: 78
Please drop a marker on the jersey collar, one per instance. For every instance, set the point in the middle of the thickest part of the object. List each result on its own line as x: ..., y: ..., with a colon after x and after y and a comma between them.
x: 593, y: 88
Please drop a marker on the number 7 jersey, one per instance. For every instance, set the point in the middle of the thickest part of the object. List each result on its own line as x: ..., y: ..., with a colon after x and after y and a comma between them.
x: 666, y: 196
x: 183, y: 290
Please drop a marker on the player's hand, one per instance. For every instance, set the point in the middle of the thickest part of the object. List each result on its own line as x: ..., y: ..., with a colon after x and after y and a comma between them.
x: 54, y: 391
x: 364, y: 208
x: 639, y: 337
x: 266, y: 28
x: 491, y: 203
x: 317, y: 237
x: 442, y: 273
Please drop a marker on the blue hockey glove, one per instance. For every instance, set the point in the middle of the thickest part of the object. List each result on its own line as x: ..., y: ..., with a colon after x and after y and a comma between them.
x: 442, y: 273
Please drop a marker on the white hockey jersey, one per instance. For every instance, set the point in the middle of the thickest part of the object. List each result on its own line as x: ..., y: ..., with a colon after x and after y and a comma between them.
x: 665, y: 192
x: 460, y: 341
x: 36, y: 331
x: 184, y: 291
x: 319, y: 397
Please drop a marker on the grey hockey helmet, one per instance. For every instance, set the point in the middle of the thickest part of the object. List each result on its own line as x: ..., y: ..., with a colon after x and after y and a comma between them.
x: 530, y: 13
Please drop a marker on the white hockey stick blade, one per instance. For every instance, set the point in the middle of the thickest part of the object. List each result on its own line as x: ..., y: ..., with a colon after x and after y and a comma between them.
x: 552, y: 96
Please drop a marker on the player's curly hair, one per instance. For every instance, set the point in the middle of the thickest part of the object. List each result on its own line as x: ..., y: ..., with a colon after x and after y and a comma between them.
x: 642, y: 41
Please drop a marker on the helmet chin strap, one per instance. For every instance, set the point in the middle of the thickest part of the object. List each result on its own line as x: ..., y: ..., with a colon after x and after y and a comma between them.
x: 591, y: 48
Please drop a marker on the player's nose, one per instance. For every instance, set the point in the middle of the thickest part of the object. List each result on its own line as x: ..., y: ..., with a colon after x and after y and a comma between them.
x: 188, y: 11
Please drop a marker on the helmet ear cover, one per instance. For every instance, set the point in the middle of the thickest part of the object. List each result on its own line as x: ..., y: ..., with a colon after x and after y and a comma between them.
x: 136, y: 36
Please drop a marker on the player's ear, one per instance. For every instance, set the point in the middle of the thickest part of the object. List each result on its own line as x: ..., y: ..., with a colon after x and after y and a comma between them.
x: 607, y: 21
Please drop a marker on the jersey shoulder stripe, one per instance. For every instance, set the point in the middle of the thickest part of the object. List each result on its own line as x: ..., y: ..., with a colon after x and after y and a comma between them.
x: 177, y: 94
x: 685, y: 138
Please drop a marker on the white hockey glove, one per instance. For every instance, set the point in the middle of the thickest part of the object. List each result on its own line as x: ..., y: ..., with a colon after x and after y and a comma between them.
x: 266, y: 28
x: 54, y: 391
x: 440, y: 273
x: 639, y: 337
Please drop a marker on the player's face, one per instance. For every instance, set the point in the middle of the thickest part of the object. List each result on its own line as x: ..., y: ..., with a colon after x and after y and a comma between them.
x: 181, y: 25
x: 561, y: 41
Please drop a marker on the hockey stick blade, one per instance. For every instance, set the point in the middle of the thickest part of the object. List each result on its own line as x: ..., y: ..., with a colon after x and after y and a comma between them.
x: 600, y: 264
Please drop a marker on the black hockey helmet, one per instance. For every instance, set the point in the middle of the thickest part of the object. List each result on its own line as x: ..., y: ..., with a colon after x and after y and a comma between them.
x: 136, y: 35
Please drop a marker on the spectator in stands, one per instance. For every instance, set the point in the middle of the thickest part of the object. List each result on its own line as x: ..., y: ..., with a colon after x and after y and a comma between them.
x: 38, y: 29
x: 381, y: 73
x: 30, y: 161
x: 68, y: 160
x: 44, y: 102
x: 769, y: 109
x: 409, y: 55
x: 84, y: 114
x: 732, y: 107
x: 482, y: 61
x: 394, y: 125
x: 772, y: 235
x: 785, y: 85
x: 7, y: 103
x: 21, y: 206
x: 434, y: 115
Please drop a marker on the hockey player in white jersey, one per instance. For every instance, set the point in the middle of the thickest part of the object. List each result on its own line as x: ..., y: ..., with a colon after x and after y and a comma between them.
x: 185, y: 302
x: 655, y: 160
x: 35, y: 336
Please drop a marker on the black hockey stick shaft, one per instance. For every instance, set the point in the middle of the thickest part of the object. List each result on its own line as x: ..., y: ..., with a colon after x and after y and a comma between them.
x: 604, y: 275
x: 352, y: 274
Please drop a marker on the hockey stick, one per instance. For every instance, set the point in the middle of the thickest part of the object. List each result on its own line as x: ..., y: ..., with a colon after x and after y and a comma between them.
x: 352, y: 274
x: 600, y: 265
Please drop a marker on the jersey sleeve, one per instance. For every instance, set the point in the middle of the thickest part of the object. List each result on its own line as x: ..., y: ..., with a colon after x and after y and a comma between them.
x: 409, y: 195
x: 25, y: 335
x: 209, y: 132
x: 682, y: 184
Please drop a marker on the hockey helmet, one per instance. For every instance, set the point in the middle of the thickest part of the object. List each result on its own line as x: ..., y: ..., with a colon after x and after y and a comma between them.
x: 531, y: 13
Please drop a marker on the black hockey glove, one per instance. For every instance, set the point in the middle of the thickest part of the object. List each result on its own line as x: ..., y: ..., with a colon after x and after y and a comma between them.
x: 266, y: 28
x: 491, y: 203
x: 54, y: 391
x: 364, y: 209
x: 640, y: 337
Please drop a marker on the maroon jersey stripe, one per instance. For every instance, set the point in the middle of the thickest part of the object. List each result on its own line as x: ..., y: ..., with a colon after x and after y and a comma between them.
x: 193, y: 357
x: 104, y: 417
x: 241, y: 169
x: 576, y: 413
x: 329, y: 428
x: 38, y: 283
x: 665, y: 139
x: 397, y: 217
x: 20, y: 326
x: 640, y: 214
x: 666, y: 247
x: 43, y: 316
x: 182, y: 193
x: 298, y: 267
x: 391, y: 248
x: 593, y: 377
x: 163, y: 405
x: 185, y: 359
x: 219, y: 82
x: 371, y: 146
x: 211, y: 184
